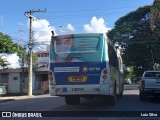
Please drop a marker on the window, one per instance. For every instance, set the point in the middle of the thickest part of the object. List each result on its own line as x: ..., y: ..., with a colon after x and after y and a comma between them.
x: 79, y: 44
x: 152, y: 74
x: 113, y: 60
x: 15, y: 78
x: 4, y: 77
x: 46, y: 55
x: 41, y: 55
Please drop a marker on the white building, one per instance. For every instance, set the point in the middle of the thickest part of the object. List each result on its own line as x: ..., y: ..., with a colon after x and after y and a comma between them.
x: 41, y: 72
x: 16, y: 80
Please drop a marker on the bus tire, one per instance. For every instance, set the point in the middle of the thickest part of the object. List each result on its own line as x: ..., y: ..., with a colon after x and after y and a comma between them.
x: 121, y: 92
x: 113, y: 99
x: 72, y: 100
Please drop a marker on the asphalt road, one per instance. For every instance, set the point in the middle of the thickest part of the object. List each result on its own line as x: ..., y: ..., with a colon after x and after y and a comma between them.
x: 128, y: 104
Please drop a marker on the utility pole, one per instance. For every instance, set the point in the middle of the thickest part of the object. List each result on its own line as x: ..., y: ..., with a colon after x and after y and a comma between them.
x: 29, y: 15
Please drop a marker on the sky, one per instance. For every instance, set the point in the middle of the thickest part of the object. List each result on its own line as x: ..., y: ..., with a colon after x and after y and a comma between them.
x: 61, y: 16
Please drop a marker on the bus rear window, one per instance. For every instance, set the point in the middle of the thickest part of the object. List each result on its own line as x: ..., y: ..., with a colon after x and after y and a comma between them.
x: 84, y: 47
x: 77, y: 45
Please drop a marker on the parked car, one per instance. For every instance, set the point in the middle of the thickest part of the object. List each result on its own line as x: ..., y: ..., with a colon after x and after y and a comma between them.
x: 137, y: 81
x: 127, y: 82
x: 150, y: 84
x: 2, y: 90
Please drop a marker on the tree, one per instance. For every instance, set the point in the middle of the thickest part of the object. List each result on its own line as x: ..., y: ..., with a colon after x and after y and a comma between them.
x: 24, y: 63
x: 8, y: 47
x: 3, y: 62
x: 129, y: 74
x: 155, y: 17
x: 24, y: 60
x: 139, y: 45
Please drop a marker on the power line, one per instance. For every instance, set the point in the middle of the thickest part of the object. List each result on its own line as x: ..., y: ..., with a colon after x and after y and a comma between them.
x: 83, y: 10
x: 89, y: 14
x: 80, y: 15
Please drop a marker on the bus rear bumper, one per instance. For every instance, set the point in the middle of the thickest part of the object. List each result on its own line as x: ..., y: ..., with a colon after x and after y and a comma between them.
x: 62, y: 90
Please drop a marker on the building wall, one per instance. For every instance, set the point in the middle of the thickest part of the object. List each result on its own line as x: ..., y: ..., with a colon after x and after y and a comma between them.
x: 41, y: 72
x: 43, y: 58
x: 44, y: 87
x: 39, y: 82
x: 14, y: 83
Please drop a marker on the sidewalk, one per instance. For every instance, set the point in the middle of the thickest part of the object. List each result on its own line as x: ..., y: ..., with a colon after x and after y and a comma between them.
x: 11, y: 98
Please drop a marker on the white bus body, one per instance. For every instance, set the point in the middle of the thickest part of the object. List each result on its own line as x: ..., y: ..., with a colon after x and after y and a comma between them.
x: 93, y: 69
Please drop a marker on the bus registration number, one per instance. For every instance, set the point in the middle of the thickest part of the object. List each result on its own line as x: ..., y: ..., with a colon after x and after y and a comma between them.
x: 77, y: 89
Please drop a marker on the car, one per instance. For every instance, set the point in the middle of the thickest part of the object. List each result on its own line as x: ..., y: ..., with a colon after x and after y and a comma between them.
x: 127, y: 82
x: 149, y: 84
x: 137, y: 82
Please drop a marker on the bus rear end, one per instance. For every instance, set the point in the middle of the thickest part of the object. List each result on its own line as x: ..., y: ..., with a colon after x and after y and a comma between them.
x: 78, y: 66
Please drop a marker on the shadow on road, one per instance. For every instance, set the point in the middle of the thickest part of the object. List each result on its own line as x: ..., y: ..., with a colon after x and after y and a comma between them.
x: 153, y: 100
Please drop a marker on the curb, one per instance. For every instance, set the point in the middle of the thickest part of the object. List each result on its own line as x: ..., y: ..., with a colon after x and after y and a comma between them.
x: 6, y: 100
x: 11, y: 98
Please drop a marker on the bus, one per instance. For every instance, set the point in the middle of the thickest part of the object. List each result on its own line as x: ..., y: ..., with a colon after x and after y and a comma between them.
x: 85, y: 65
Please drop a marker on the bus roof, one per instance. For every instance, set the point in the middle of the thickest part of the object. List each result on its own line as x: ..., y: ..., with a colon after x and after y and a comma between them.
x: 83, y: 34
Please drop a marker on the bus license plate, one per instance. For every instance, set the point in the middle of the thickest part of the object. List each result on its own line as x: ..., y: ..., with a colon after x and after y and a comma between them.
x: 77, y: 89
x: 77, y: 78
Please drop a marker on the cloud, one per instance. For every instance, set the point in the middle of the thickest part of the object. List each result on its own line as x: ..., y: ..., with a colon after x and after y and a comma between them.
x: 13, y: 60
x: 70, y: 27
x: 96, y: 25
x: 42, y: 30
x: 41, y: 34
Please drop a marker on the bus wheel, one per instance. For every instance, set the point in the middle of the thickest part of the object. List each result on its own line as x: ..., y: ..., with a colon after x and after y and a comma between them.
x: 72, y: 100
x: 121, y: 93
x: 113, y: 99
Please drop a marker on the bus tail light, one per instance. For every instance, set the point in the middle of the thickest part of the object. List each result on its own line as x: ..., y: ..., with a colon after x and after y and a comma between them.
x: 104, y: 74
x: 105, y: 71
x: 50, y: 76
x: 104, y: 77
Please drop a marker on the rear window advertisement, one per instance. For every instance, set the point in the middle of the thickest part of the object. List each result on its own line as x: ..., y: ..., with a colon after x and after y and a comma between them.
x: 69, y: 48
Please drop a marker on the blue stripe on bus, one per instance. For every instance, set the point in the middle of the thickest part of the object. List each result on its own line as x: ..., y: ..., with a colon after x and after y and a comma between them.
x: 92, y: 70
